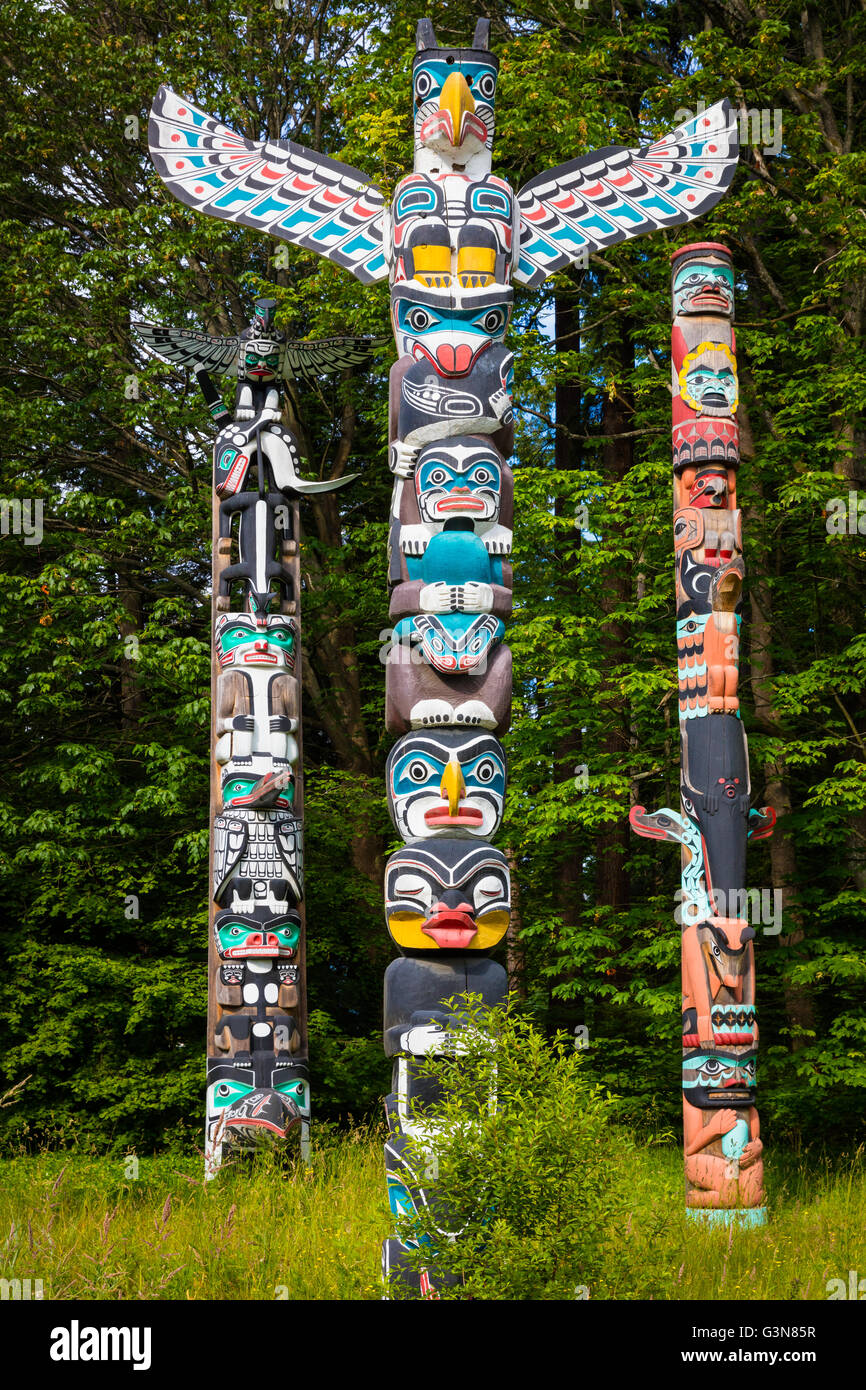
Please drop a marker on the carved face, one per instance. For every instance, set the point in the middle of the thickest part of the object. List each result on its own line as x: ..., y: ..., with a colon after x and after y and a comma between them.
x: 715, y: 1080
x: 704, y: 285
x: 450, y: 339
x: 450, y: 783
x: 447, y: 895
x: 259, y: 361
x: 708, y: 379
x: 454, y: 96
x: 256, y: 935
x: 249, y: 1102
x: 242, y: 641
x: 460, y: 477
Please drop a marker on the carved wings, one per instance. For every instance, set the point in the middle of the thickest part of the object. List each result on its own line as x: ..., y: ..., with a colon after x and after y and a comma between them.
x: 188, y: 348
x: 317, y: 356
x: 288, y: 191
x: 277, y: 187
x: 615, y: 194
x: 305, y: 359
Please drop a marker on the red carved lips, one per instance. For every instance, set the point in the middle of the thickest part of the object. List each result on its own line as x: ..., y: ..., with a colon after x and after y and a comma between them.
x: 451, y: 927
x: 460, y: 504
x: 709, y: 299
x: 257, y: 657
x: 441, y: 815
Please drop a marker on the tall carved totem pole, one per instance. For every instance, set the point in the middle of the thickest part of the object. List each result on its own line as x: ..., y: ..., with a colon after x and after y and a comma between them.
x: 257, y: 1068
x: 724, y: 1170
x: 452, y: 243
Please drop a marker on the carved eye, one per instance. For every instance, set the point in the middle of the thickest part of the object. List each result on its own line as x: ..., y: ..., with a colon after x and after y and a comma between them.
x: 410, y: 886
x: 493, y: 320
x: 437, y: 476
x: 419, y: 319
x: 482, y: 475
x: 486, y: 770
x: 487, y: 85
x: 489, y: 887
x: 418, y: 771
x: 423, y: 85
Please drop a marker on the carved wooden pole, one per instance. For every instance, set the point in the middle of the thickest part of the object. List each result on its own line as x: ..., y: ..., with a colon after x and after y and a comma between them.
x: 452, y: 243
x: 257, y: 1067
x: 723, y: 1165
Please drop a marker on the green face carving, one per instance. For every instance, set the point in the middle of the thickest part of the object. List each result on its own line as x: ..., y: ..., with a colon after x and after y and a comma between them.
x: 240, y: 937
x: 262, y: 362
x: 242, y: 642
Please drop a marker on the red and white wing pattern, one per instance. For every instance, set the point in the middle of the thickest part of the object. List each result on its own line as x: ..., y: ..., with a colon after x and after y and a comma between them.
x: 277, y: 187
x: 188, y: 348
x: 615, y: 194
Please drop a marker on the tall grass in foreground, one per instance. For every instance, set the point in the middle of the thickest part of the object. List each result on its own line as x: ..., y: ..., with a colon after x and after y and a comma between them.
x: 280, y: 1229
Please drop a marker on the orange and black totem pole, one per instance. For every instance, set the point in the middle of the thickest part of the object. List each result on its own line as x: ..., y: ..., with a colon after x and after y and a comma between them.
x: 722, y: 1143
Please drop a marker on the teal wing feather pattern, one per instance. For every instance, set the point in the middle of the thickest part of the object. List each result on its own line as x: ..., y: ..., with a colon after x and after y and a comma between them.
x: 277, y: 186
x: 615, y: 194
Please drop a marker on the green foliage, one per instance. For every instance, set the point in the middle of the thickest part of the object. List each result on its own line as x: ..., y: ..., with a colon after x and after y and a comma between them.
x: 89, y: 1229
x: 530, y: 1174
x: 103, y: 789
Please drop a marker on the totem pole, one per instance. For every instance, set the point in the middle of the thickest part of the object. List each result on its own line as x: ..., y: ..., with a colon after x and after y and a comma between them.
x: 723, y: 1165
x: 452, y: 243
x: 257, y: 1067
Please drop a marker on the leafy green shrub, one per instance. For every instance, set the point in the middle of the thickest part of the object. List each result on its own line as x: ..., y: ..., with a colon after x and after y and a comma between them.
x: 533, y: 1180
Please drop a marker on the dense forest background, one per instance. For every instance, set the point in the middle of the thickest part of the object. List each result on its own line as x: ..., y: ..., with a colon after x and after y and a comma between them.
x: 104, y: 650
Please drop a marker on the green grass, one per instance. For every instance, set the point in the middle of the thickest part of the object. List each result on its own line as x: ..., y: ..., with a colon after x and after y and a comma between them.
x: 281, y: 1229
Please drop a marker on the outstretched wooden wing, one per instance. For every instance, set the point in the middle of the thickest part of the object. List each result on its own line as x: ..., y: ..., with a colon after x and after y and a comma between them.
x: 615, y: 194
x: 277, y: 187
x: 188, y: 348
x: 316, y: 357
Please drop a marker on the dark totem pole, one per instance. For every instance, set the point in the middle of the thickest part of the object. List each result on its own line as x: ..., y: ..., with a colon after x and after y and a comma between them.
x: 258, y: 1087
x: 724, y: 1170
x: 452, y: 243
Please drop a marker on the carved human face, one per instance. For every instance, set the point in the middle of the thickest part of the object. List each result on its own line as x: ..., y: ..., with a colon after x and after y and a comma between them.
x: 256, y: 935
x: 708, y: 379
x: 460, y: 477
x: 259, y: 361
x: 447, y: 895
x: 704, y: 286
x: 715, y: 1080
x: 242, y: 641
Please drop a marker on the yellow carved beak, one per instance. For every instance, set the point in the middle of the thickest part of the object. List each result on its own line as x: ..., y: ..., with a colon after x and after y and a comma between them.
x: 456, y: 98
x: 452, y: 786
